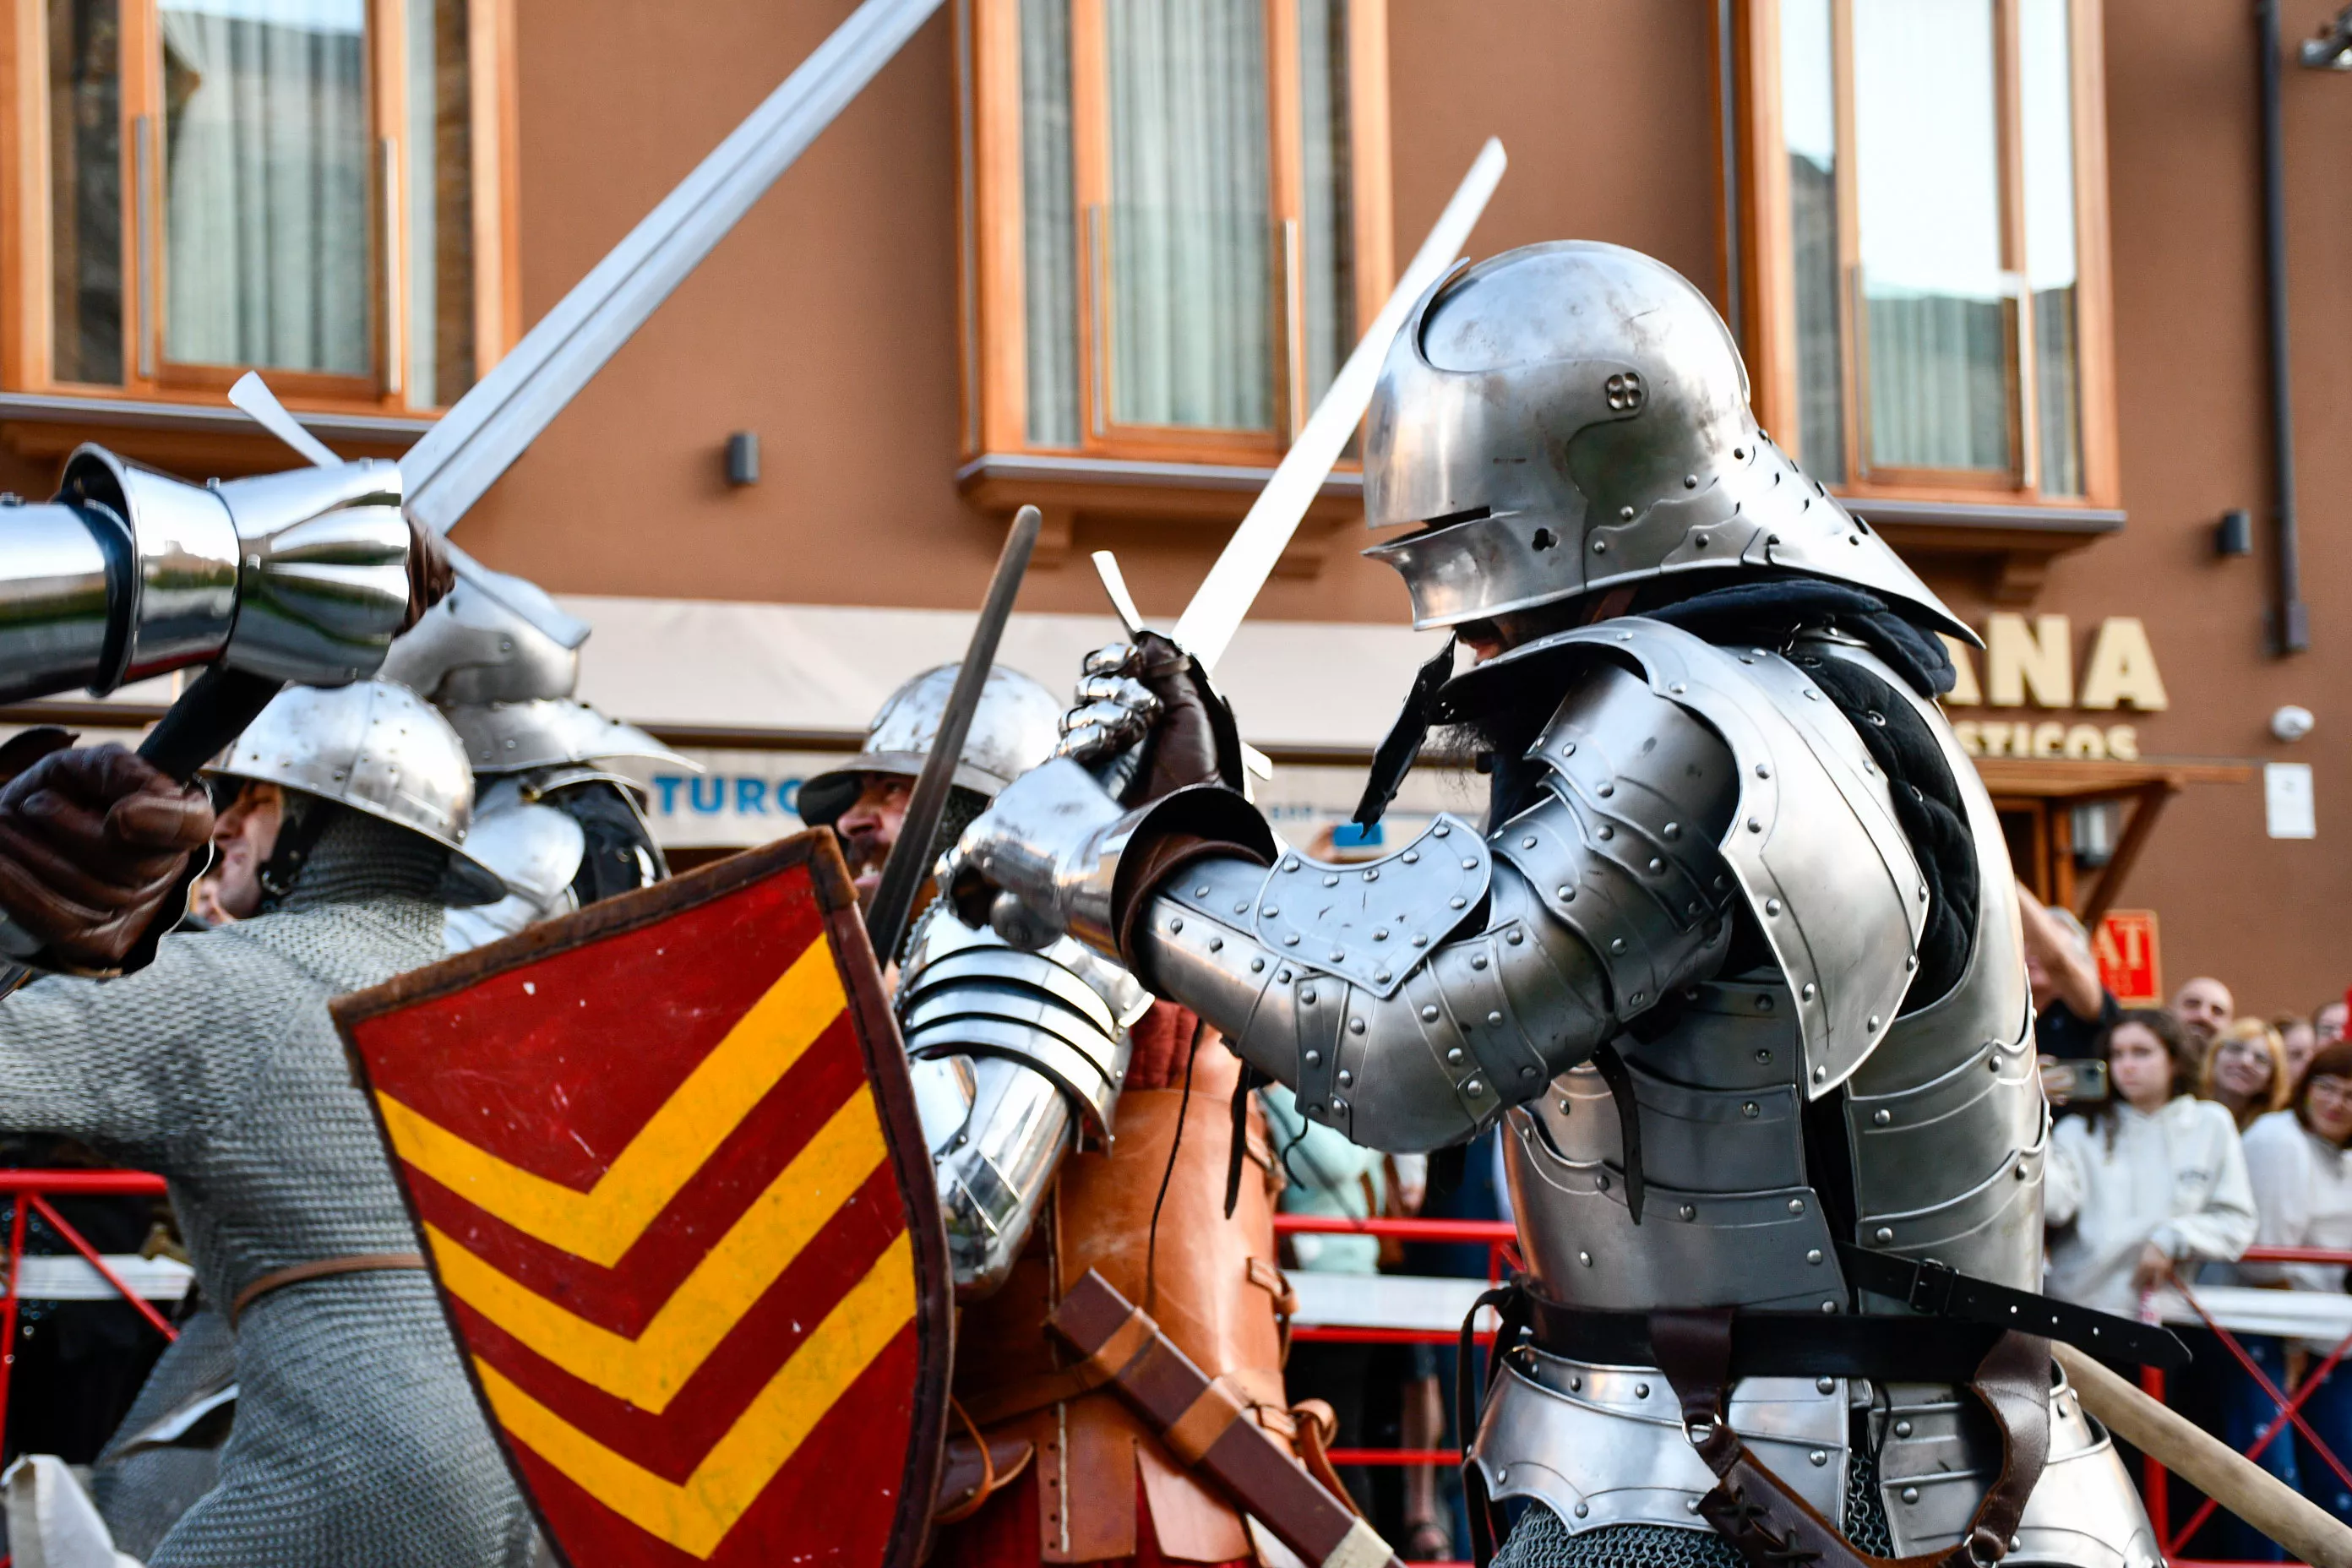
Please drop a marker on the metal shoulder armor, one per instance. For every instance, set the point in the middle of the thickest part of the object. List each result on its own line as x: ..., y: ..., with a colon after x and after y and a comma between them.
x: 1012, y: 1050
x: 1412, y: 999
x: 536, y: 850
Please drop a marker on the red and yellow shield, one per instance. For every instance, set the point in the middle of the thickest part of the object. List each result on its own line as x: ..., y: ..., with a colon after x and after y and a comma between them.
x: 667, y: 1165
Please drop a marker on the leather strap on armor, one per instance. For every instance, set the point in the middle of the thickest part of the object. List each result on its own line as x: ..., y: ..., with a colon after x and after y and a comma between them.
x: 1772, y: 1527
x: 1939, y: 1291
x: 319, y: 1268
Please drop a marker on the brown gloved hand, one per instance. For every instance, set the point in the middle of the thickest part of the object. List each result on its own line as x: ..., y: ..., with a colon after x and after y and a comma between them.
x: 430, y: 575
x: 92, y: 843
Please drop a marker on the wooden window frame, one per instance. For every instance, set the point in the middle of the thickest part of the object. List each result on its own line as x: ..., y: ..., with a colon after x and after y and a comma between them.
x: 27, y: 361
x: 1767, y: 261
x: 992, y: 289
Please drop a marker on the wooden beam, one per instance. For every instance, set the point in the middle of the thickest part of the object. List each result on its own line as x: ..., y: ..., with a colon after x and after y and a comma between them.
x: 2152, y: 797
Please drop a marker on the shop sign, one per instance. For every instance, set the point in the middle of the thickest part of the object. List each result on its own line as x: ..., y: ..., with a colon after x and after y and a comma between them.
x: 2032, y: 664
x: 2126, y: 947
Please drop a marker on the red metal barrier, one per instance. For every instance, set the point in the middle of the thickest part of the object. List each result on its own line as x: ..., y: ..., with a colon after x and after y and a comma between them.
x: 30, y: 1190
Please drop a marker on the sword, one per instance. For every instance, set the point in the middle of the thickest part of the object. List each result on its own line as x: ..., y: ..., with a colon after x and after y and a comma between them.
x: 498, y: 417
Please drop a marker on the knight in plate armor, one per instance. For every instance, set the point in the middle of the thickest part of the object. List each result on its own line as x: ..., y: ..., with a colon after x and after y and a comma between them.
x: 1054, y: 1094
x: 551, y: 816
x: 1736, y: 957
x: 357, y: 1439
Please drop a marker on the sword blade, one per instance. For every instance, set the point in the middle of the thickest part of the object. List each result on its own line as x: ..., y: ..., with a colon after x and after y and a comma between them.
x: 1207, y: 626
x: 487, y: 428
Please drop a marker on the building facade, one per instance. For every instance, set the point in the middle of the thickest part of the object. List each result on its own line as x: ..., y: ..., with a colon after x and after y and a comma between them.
x: 1999, y: 267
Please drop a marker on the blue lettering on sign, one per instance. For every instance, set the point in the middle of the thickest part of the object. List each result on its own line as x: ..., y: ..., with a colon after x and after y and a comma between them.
x: 718, y: 796
x: 788, y: 795
x: 668, y: 783
x: 751, y: 797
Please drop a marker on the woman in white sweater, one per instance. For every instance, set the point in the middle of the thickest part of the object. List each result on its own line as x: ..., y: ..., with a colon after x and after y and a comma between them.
x: 2150, y: 1179
x: 2303, y: 1188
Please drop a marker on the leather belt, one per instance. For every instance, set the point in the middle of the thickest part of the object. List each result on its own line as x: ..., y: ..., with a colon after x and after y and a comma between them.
x: 1939, y: 1290
x: 319, y: 1268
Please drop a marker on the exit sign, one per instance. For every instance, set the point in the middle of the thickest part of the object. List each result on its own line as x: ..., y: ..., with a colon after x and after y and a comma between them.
x: 2126, y: 947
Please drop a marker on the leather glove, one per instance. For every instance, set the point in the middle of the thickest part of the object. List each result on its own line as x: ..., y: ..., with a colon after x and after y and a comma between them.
x: 93, y: 842
x: 430, y: 575
x: 1146, y: 693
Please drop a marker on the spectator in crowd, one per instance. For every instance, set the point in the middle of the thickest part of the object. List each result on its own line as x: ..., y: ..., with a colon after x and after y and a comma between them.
x: 2071, y: 1010
x: 2149, y: 1178
x: 2328, y: 1021
x: 2303, y: 1189
x: 2204, y: 1007
x: 2298, y: 1039
x: 2246, y: 1074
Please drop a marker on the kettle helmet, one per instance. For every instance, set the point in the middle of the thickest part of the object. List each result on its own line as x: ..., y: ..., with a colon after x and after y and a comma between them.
x: 1016, y: 726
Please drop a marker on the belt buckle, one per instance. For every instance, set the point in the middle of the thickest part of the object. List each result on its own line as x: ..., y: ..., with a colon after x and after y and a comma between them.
x: 1931, y: 1287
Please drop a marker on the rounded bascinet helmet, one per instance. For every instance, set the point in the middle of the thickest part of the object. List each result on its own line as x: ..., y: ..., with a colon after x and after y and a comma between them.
x: 1574, y: 416
x: 378, y: 748
x: 1016, y: 727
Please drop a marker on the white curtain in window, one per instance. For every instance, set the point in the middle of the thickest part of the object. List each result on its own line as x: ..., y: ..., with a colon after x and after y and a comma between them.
x: 267, y: 212
x: 1189, y: 230
x: 1049, y: 229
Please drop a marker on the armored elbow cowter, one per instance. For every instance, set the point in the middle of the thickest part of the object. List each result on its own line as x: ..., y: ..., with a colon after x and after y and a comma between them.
x: 1013, y: 1051
x: 129, y: 574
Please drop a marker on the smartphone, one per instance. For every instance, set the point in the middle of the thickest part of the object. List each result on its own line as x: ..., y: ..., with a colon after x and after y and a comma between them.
x: 2075, y: 1080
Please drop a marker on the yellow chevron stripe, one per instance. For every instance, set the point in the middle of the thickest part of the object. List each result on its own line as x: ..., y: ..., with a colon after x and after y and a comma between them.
x: 695, y: 1516
x: 602, y: 1223
x: 650, y: 1370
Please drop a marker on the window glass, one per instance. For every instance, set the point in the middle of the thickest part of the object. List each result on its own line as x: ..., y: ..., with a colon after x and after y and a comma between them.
x: 1927, y: 171
x: 440, y: 207
x: 2046, y: 90
x: 1049, y: 229
x: 1189, y: 222
x: 1327, y: 287
x: 1809, y: 125
x: 266, y: 213
x: 86, y: 190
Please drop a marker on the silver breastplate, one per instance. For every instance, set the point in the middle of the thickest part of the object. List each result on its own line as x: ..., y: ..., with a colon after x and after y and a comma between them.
x: 1926, y: 1134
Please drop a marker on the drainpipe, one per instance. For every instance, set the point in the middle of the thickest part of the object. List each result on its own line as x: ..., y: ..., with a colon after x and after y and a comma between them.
x: 2291, y: 623
x: 1727, y: 95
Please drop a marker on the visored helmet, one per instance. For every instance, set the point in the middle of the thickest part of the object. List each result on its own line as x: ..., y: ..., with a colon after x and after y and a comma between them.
x: 1016, y: 728
x: 377, y: 747
x: 473, y: 646
x: 1574, y: 416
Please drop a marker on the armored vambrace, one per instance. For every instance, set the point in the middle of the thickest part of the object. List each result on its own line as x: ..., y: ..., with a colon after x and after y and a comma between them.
x: 1012, y: 1052
x: 1410, y: 1000
x: 129, y: 573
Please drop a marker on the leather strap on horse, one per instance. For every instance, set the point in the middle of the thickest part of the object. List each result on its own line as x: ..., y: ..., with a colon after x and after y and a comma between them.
x: 1205, y: 1424
x: 1771, y: 1527
x: 319, y: 1268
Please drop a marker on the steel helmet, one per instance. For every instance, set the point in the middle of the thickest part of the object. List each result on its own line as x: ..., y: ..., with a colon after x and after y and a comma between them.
x: 474, y: 647
x: 377, y: 747
x: 1016, y: 727
x: 1574, y: 416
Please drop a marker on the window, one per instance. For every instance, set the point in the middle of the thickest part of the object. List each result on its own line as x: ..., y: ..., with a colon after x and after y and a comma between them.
x: 312, y: 188
x: 1929, y: 245
x: 1175, y: 219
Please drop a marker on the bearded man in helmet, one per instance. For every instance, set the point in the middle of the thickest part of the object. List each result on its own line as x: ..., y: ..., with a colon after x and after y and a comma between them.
x: 1735, y: 958
x: 357, y: 1439
x: 1053, y: 1088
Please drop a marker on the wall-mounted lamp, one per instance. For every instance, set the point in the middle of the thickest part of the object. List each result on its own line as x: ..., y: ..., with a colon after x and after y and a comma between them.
x: 743, y: 458
x: 2234, y: 534
x: 2095, y: 827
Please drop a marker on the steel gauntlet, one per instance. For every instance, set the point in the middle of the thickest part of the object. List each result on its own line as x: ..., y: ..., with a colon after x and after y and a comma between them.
x: 129, y: 574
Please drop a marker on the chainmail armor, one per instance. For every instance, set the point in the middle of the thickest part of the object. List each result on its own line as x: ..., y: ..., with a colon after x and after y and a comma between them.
x: 141, y: 1496
x: 1541, y: 1541
x: 357, y: 1442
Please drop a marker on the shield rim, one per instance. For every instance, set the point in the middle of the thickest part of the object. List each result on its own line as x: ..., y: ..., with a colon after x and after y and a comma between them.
x: 886, y: 1073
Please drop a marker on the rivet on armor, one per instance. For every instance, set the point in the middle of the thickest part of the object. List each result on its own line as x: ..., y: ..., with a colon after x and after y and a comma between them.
x: 1772, y: 906
x: 1347, y: 1079
x: 1331, y: 881
x: 1640, y: 1390
x: 1527, y: 1072
x: 1923, y: 892
x: 1284, y: 976
x: 1830, y: 1308
x: 1808, y: 991
x: 1315, y: 1058
x: 1428, y: 1014
x: 1625, y: 513
x: 1306, y: 996
x: 1583, y: 1508
x: 1751, y: 1110
x: 1606, y: 831
x: 1474, y: 1089
x: 1600, y: 1181
x: 1820, y: 1073
x: 1271, y: 910
x: 1413, y: 856
x: 1764, y: 1056
x: 1677, y: 689
x: 1241, y: 909
x: 1690, y: 1210
x: 1440, y: 831
x: 1453, y: 1055
x: 1565, y: 894
x: 1339, y: 1108
x: 1290, y: 940
x: 1175, y: 925
x: 1568, y: 749
x: 1469, y: 865
x: 1600, y: 547
x: 1764, y: 1002
x: 1528, y: 842
x: 1690, y: 481
x: 1691, y: 909
x: 1576, y: 1384
x: 1903, y: 1428
x: 1690, y: 1505
x: 1372, y: 876
x: 1813, y: 1255
x: 1201, y: 892
x: 1881, y: 1117
x: 1656, y: 865
x: 1739, y: 454
x: 1671, y: 830
x: 1910, y: 963
x: 2024, y: 1170
x: 1216, y: 945
x: 1355, y: 1025
x: 1818, y: 1457
x: 2015, y: 1544
x: 1568, y: 1108
x: 1616, y: 944
x: 1515, y: 936
x: 1339, y: 953
x: 1874, y: 1020
x: 1420, y: 938
x: 1763, y: 771
x: 1605, y: 791
x: 1291, y: 864
x: 1380, y: 977
x: 1755, y: 826
x: 1910, y: 1494
x: 1746, y: 659
x: 1699, y: 542
x: 1380, y: 933
x: 1257, y: 966
x: 1796, y: 1205
x: 1457, y: 902
x: 1478, y: 961
x: 1882, y: 1234
x: 1494, y: 1020
x: 1637, y: 998
x: 1825, y: 1386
